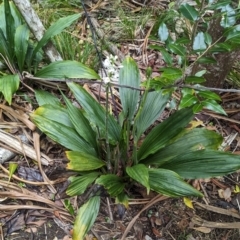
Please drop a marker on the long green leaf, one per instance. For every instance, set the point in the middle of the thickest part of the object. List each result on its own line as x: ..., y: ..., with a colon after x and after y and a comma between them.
x: 21, y: 44
x: 203, y: 164
x: 95, y: 113
x: 189, y: 12
x: 9, y: 84
x: 139, y: 173
x: 85, y: 218
x: 192, y: 140
x: 154, y: 105
x: 79, y: 184
x: 55, y: 29
x: 164, y: 132
x: 80, y: 161
x: 55, y: 113
x: 170, y: 183
x: 66, y: 136
x: 112, y: 183
x: 4, y: 47
x: 81, y: 124
x: 130, y: 76
x: 44, y: 97
x: 10, y: 28
x: 62, y: 70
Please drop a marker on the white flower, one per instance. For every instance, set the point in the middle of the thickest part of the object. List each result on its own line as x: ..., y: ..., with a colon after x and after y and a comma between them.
x: 106, y: 80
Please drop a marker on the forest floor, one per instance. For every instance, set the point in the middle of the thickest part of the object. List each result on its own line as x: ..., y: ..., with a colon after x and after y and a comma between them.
x: 32, y: 212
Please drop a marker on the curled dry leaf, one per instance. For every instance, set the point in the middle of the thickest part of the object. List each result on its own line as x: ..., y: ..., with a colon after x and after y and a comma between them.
x: 226, y: 194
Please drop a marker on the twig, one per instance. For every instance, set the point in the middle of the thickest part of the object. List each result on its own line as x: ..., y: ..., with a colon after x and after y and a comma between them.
x: 109, y: 211
x: 158, y: 198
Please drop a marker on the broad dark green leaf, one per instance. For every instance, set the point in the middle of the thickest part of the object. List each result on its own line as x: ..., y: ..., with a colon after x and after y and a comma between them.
x: 203, y: 164
x: 4, y: 47
x: 44, y: 97
x: 177, y: 49
x: 85, y: 218
x: 61, y: 70
x: 189, y: 140
x: 189, y: 12
x: 164, y: 132
x: 66, y: 136
x: 222, y: 47
x: 21, y: 44
x: 194, y: 79
x: 183, y: 40
x: 163, y: 32
x: 199, y: 42
x: 123, y: 199
x: 81, y: 124
x: 213, y: 106
x: 170, y: 183
x: 206, y: 60
x: 95, y: 113
x: 9, y: 84
x: 79, y: 184
x: 112, y: 183
x: 55, y: 29
x: 171, y: 73
x: 187, y: 101
x: 209, y: 95
x: 154, y: 104
x: 81, y: 161
x: 129, y: 75
x: 139, y: 173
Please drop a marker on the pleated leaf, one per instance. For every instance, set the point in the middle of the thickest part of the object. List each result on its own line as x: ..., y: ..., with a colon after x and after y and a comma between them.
x: 9, y: 84
x: 64, y: 135
x: 44, y: 97
x: 112, y: 183
x: 203, y: 164
x: 95, y: 113
x: 195, y: 139
x: 21, y: 44
x: 164, y: 132
x: 80, y: 161
x: 129, y: 75
x: 79, y: 184
x: 153, y: 106
x: 139, y: 173
x: 54, y: 113
x: 55, y: 29
x: 170, y: 184
x: 81, y: 124
x: 62, y: 70
x: 10, y: 28
x: 85, y: 218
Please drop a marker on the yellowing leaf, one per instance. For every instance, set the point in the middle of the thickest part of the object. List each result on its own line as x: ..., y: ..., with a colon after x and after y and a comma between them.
x: 188, y: 202
x: 12, y: 169
x: 194, y: 124
x: 237, y: 189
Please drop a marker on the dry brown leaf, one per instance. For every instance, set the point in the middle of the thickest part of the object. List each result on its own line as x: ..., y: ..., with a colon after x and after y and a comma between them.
x: 203, y: 229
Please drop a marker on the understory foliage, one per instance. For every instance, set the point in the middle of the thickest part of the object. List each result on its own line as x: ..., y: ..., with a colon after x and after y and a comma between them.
x: 194, y: 51
x: 113, y: 152
x: 107, y: 149
x: 19, y: 53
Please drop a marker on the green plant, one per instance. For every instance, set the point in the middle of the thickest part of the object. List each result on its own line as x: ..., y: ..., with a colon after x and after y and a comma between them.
x: 20, y: 53
x: 193, y: 50
x: 109, y: 151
